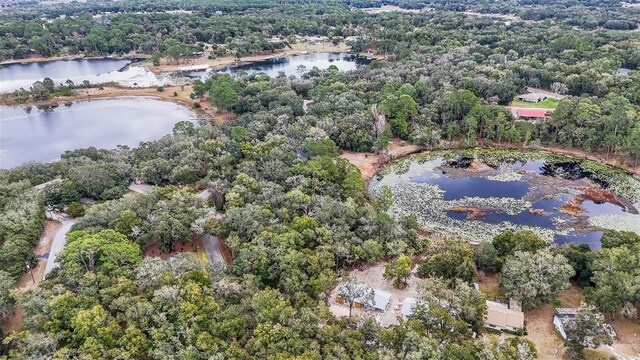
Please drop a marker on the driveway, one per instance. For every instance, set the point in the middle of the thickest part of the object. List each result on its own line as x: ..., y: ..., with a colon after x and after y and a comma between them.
x: 58, y: 244
x: 212, y: 248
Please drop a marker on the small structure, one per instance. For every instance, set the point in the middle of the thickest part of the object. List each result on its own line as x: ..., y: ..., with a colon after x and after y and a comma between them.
x: 624, y: 71
x: 533, y: 97
x: 500, y: 317
x: 561, y: 317
x: 564, y: 318
x: 529, y: 113
x: 380, y: 300
x: 408, y: 306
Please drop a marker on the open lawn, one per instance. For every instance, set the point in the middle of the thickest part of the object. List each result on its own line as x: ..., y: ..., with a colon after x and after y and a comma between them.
x: 549, y: 103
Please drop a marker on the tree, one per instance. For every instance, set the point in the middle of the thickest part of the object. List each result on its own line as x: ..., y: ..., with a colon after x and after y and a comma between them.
x: 613, y: 239
x: 223, y: 93
x: 7, y: 283
x: 616, y: 277
x: 509, y: 242
x: 353, y: 292
x: 587, y: 330
x: 535, y: 278
x: 39, y: 91
x: 450, y: 310
x: 451, y: 260
x: 75, y: 209
x: 398, y: 271
x: 485, y: 256
x: 185, y: 128
x: 385, y: 197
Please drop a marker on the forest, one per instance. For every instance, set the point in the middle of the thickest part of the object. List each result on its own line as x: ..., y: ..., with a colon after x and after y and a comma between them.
x: 294, y: 215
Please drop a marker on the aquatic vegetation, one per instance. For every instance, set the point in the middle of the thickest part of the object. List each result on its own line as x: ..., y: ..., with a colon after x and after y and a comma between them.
x: 628, y: 222
x: 416, y: 186
x: 426, y: 202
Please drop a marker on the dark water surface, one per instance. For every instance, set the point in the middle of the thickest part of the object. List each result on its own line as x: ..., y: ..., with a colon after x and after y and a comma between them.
x: 44, y: 134
x: 472, y: 185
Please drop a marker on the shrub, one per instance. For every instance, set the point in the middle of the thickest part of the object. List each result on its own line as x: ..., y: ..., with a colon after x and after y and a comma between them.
x: 75, y: 209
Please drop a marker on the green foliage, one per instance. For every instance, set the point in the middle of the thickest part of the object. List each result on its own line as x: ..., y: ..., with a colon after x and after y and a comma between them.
x: 586, y: 331
x: 612, y: 239
x: 75, y: 209
x: 398, y: 271
x: 185, y: 128
x: 615, y: 271
x: 107, y: 251
x: 535, y: 278
x: 507, y: 243
x: 450, y: 260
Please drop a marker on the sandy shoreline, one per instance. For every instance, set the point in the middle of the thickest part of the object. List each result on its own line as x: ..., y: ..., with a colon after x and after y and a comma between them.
x: 203, y: 62
x: 107, y: 92
x: 38, y: 59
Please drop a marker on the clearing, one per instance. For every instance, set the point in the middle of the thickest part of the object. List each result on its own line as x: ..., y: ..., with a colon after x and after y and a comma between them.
x: 541, y: 331
x: 549, y: 103
x: 372, y: 276
x: 369, y: 163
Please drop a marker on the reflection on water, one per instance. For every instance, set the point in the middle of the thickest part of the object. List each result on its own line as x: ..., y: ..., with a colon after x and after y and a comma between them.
x: 16, y: 76
x: 43, y: 134
x: 293, y: 65
x: 546, y: 186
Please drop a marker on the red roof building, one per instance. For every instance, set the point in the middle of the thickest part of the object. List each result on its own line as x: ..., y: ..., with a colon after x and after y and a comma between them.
x: 530, y: 113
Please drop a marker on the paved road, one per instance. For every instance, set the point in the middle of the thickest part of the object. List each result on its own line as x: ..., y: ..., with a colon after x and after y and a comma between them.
x: 58, y: 244
x: 212, y: 248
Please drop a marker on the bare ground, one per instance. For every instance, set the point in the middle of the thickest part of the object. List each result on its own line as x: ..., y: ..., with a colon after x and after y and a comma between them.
x: 107, y: 92
x: 369, y: 163
x: 26, y: 282
x: 550, y: 345
x: 195, y: 247
x: 372, y: 276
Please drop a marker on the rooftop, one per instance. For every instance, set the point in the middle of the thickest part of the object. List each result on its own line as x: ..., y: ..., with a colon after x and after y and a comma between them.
x: 500, y: 315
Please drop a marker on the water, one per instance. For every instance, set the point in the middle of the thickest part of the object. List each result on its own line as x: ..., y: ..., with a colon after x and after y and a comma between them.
x: 16, y: 76
x: 517, y: 195
x: 290, y: 64
x: 44, y: 134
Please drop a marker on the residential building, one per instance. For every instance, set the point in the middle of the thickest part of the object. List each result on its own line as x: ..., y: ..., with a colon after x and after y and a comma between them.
x: 533, y: 97
x: 380, y: 302
x: 500, y: 317
x: 530, y: 113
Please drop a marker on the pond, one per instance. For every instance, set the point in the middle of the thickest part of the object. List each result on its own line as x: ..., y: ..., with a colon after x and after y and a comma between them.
x: 122, y: 71
x: 291, y: 65
x: 43, y: 134
x: 463, y: 197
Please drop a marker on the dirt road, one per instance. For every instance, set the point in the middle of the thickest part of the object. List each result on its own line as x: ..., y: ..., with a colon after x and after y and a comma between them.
x: 213, y: 248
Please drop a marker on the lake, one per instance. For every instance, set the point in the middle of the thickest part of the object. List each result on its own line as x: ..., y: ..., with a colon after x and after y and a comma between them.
x: 32, y: 134
x: 122, y: 71
x: 559, y: 201
x: 290, y: 64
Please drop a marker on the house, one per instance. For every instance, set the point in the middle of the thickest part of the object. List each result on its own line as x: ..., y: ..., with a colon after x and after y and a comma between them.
x: 624, y: 71
x: 529, y: 113
x: 561, y: 317
x: 533, y: 97
x: 500, y: 317
x: 408, y: 306
x: 381, y: 300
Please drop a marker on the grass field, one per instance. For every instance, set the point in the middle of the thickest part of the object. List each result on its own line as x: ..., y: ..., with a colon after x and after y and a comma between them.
x: 549, y: 103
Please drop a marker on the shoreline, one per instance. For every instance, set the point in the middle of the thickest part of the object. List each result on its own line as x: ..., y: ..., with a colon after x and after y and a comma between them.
x: 109, y: 92
x: 204, y: 63
x: 371, y: 164
x: 33, y: 60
